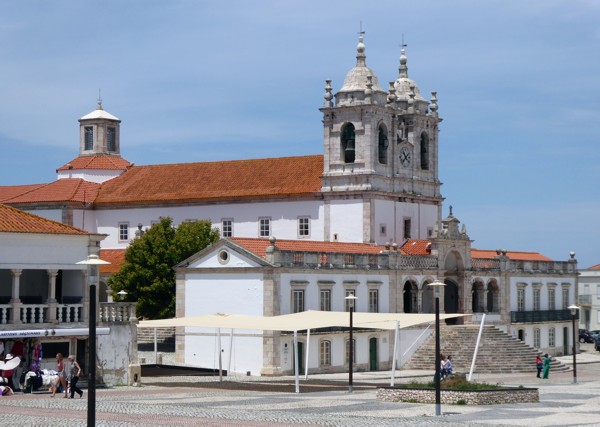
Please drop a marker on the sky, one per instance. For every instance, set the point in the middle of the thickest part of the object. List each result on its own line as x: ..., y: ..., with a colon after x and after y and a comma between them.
x: 517, y: 83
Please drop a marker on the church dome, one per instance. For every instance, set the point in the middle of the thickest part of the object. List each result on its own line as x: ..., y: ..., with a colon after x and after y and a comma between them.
x: 356, y: 79
x: 403, y: 84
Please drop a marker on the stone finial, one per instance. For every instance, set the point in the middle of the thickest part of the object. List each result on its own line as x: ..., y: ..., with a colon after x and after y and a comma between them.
x: 411, y: 99
x: 391, y: 98
x: 395, y: 247
x: 369, y: 89
x: 328, y: 95
x: 433, y: 106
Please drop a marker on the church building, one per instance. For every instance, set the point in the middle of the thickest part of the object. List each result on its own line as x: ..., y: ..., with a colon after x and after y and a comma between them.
x: 362, y: 218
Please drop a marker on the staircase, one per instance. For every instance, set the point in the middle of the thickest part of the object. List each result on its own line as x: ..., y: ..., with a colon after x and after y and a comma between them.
x: 498, y: 352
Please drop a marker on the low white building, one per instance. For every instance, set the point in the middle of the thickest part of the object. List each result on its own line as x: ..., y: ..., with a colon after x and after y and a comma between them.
x: 589, y: 298
x: 44, y: 298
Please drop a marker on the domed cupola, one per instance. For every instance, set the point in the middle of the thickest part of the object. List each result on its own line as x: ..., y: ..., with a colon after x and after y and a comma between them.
x: 403, y: 85
x: 360, y: 82
x: 99, y: 133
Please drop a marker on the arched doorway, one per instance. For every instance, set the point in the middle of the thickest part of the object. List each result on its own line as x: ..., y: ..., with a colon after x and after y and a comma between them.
x: 300, y: 350
x: 410, y: 293
x: 428, y: 304
x: 373, y: 354
x: 450, y: 300
x: 492, y: 298
x: 477, y: 295
x: 521, y: 335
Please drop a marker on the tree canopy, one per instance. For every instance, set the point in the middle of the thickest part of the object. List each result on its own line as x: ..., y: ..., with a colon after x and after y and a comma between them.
x: 147, y: 274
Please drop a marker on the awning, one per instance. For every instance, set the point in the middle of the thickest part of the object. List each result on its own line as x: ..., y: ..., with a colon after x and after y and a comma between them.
x: 311, y: 319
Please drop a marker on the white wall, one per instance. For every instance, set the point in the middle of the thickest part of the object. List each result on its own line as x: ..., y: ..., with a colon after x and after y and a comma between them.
x: 346, y: 220
x: 232, y: 293
x: 284, y: 217
x: 392, y: 214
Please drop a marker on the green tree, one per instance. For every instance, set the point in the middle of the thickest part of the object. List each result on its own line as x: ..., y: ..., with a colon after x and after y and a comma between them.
x: 147, y: 274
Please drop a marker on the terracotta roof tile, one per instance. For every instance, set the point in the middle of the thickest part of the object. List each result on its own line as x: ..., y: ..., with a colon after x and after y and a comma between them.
x: 416, y: 247
x: 62, y: 190
x: 512, y: 255
x: 594, y: 267
x: 259, y: 246
x: 15, y: 221
x: 116, y: 257
x: 104, y: 162
x: 238, y: 179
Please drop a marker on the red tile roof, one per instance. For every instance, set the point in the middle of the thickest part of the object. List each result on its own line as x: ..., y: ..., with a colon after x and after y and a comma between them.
x: 512, y: 255
x: 62, y: 190
x: 594, y: 267
x: 104, y: 162
x: 15, y: 221
x: 116, y: 257
x: 416, y: 247
x: 259, y: 246
x: 213, y: 181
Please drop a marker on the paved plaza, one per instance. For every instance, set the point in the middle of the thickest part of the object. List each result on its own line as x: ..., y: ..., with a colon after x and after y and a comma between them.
x: 185, y: 401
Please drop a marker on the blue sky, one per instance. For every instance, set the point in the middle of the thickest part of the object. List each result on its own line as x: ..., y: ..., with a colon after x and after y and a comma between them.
x: 517, y: 84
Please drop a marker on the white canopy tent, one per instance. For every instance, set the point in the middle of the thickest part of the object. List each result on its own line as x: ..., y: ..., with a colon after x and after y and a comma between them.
x: 305, y: 320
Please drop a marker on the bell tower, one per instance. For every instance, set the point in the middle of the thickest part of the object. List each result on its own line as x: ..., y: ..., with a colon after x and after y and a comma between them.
x: 99, y: 133
x: 382, y: 148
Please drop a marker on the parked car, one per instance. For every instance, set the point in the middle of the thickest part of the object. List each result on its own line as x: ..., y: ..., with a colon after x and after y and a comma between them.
x: 595, y: 334
x: 584, y: 336
x: 597, y: 345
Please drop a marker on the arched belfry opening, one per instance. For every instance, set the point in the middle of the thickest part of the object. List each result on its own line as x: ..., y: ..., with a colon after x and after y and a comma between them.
x: 424, y: 150
x: 382, y: 146
x: 348, y: 143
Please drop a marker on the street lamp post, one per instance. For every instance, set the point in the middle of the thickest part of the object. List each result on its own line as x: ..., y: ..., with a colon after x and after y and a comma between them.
x: 574, y: 309
x: 437, y: 287
x: 93, y: 262
x: 351, y: 301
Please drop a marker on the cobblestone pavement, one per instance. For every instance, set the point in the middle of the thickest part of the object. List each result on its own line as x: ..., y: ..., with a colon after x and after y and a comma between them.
x: 159, y: 403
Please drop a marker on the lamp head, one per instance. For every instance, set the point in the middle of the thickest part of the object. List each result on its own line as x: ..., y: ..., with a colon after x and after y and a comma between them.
x: 573, y: 309
x: 437, y: 287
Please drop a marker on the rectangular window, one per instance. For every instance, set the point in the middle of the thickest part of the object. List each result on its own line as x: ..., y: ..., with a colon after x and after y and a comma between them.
x: 350, y: 302
x: 373, y: 301
x: 111, y: 139
x: 565, y: 298
x: 88, y: 138
x: 264, y: 227
x: 551, y: 337
x: 520, y: 299
x: 325, y: 353
x: 537, y: 338
x: 536, y: 300
x: 325, y: 300
x: 123, y: 231
x: 226, y: 228
x: 297, y: 300
x: 551, y: 299
x: 382, y: 230
x: 407, y: 225
x: 597, y: 291
x: 304, y: 226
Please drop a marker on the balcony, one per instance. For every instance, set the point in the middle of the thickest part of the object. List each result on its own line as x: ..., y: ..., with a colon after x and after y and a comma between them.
x: 541, y: 316
x: 37, y: 314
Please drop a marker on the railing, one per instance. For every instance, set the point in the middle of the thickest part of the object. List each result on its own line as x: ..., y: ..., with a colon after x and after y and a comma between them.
x: 585, y: 300
x: 344, y: 260
x: 113, y: 312
x: 542, y: 266
x: 5, y: 310
x: 485, y: 264
x: 541, y: 316
x: 69, y: 313
x: 34, y: 313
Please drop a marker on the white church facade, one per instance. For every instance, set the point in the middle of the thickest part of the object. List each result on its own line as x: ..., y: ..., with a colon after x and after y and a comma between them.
x: 365, y: 216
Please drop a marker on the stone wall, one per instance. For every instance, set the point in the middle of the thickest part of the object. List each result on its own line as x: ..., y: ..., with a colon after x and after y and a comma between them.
x: 480, y: 397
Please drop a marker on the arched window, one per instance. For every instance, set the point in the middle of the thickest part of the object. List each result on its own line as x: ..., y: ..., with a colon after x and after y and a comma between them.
x: 424, y: 151
x: 348, y: 143
x: 383, y: 144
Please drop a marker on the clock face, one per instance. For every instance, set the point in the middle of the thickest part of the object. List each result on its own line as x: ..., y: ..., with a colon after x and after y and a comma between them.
x: 405, y: 157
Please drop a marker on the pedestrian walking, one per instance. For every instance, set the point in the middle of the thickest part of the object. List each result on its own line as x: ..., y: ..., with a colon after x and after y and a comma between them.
x: 539, y: 364
x: 547, y: 360
x: 61, y: 378
x: 74, y: 374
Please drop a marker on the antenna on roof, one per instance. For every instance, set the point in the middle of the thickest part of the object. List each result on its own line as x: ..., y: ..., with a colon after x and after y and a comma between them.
x: 99, y: 107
